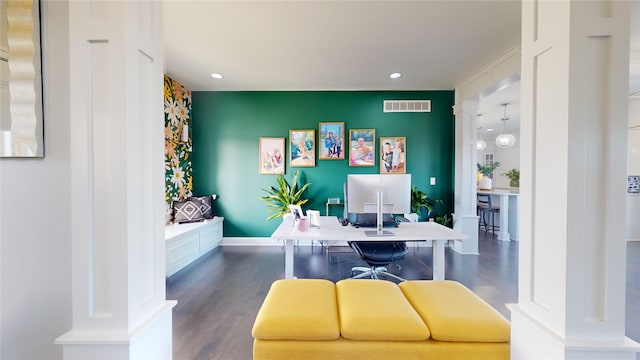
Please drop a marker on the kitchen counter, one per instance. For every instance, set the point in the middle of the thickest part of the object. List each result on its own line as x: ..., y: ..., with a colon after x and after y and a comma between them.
x: 500, y: 192
x: 508, y: 220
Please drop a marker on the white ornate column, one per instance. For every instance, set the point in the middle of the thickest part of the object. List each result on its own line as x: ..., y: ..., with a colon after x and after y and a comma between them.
x: 465, y: 217
x: 117, y: 210
x: 572, y: 263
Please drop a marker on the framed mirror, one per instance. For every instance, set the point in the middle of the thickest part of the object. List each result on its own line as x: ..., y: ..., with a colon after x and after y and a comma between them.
x: 21, y: 118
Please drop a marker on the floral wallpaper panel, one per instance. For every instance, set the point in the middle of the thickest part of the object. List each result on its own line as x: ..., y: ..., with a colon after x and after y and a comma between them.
x: 178, y: 177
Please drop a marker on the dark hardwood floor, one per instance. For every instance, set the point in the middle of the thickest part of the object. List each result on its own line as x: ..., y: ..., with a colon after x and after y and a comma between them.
x: 219, y: 295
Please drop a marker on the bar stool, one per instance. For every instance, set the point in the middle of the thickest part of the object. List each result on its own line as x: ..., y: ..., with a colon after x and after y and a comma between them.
x: 487, y: 210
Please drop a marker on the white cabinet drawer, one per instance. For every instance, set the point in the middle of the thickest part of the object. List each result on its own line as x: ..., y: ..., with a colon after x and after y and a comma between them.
x: 187, y: 242
x: 181, y: 251
x: 210, y: 237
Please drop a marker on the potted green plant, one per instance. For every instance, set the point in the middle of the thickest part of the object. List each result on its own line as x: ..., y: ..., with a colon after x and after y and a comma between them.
x: 514, y: 177
x: 420, y: 201
x: 279, y: 199
x: 485, y: 183
x: 444, y: 219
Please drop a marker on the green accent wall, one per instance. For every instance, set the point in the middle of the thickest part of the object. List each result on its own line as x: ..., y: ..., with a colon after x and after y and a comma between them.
x: 226, y: 127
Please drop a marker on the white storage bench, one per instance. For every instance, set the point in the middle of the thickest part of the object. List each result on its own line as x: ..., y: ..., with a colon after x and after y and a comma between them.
x: 187, y: 242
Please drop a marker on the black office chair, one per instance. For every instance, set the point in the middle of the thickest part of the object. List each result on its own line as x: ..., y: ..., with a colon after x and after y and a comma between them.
x: 377, y: 255
x: 487, y: 211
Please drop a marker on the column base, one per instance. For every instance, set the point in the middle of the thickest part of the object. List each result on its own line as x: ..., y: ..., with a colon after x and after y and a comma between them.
x: 530, y: 339
x: 468, y: 225
x: 151, y: 340
x: 504, y: 236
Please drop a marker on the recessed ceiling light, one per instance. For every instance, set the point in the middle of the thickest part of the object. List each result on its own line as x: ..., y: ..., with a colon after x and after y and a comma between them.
x: 395, y: 75
x: 216, y: 76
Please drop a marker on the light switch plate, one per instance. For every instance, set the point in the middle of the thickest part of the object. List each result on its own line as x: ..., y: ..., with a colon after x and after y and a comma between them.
x: 432, y: 181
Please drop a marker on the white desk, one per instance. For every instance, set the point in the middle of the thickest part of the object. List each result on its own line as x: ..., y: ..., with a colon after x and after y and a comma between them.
x: 504, y: 195
x: 331, y: 230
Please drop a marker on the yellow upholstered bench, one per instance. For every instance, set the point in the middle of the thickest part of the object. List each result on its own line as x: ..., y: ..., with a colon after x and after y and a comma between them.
x: 375, y: 319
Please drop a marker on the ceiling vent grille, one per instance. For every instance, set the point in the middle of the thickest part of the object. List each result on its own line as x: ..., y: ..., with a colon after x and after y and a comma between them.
x: 407, y: 106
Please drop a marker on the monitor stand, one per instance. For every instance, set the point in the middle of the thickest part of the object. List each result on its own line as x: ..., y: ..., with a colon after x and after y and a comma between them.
x: 379, y: 223
x: 376, y: 233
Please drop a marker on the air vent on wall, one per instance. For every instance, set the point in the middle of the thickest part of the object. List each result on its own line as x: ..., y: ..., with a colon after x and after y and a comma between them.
x: 407, y: 106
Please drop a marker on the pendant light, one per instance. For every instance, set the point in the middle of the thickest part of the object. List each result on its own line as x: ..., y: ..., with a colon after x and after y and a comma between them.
x: 505, y: 139
x: 480, y: 144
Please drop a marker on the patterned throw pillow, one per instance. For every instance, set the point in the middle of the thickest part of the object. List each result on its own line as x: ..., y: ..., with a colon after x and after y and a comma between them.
x: 207, y: 205
x: 187, y: 211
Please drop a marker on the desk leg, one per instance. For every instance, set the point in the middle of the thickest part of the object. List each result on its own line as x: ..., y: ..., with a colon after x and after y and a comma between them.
x: 438, y: 259
x: 503, y: 234
x: 288, y: 259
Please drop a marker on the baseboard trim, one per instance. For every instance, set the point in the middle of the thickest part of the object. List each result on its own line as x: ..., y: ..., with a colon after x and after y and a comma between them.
x: 249, y: 241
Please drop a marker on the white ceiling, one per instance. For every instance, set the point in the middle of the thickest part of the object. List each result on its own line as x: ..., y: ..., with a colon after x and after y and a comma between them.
x: 348, y: 45
x: 491, y: 110
x: 334, y: 45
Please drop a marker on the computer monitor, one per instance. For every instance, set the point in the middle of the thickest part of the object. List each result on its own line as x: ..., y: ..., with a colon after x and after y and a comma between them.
x: 374, y: 197
x: 363, y: 189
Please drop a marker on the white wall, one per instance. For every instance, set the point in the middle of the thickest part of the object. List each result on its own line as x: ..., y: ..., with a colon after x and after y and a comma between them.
x: 633, y: 160
x: 634, y: 111
x: 633, y: 164
x: 633, y: 168
x: 35, y: 220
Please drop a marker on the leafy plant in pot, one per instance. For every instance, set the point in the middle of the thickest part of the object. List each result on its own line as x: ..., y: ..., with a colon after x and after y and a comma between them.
x: 514, y: 177
x: 444, y: 219
x: 420, y: 201
x: 485, y: 182
x: 279, y: 199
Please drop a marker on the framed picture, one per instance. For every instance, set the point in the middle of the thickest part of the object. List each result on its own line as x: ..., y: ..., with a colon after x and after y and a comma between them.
x: 302, y: 148
x: 393, y: 155
x: 362, y: 147
x: 331, y: 140
x: 271, y: 155
x: 296, y: 212
x: 314, y: 218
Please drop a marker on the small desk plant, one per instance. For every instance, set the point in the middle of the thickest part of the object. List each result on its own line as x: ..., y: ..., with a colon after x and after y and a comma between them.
x: 486, y: 183
x: 279, y: 199
x: 514, y: 177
